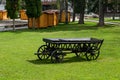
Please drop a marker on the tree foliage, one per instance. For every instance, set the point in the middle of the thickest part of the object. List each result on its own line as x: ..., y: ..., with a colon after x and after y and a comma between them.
x: 111, y: 5
x: 13, y: 7
x: 79, y: 6
x: 33, y: 8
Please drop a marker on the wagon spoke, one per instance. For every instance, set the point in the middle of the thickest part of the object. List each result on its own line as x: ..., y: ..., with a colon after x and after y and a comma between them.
x: 82, y: 54
x: 92, y: 57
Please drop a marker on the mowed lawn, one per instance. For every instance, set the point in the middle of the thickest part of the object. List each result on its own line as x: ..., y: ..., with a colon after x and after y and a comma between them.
x: 18, y: 62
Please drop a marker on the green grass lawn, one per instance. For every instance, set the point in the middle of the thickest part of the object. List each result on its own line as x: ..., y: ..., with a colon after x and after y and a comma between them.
x: 18, y: 62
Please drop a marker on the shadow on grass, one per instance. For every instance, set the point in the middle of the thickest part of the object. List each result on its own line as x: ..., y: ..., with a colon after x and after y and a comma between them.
x: 65, y: 60
x: 66, y: 27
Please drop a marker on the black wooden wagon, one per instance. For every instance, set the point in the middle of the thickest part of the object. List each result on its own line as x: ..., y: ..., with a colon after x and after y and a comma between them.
x: 57, y: 48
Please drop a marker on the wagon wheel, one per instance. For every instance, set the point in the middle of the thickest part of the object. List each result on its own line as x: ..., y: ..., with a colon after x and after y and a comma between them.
x: 92, y: 55
x: 57, y: 56
x: 43, y: 53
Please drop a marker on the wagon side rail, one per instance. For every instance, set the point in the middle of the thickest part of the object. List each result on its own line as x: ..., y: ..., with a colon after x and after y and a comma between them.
x: 94, y: 45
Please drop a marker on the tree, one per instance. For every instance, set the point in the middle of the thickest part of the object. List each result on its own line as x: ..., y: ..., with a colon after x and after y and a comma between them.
x: 66, y: 11
x: 33, y: 8
x: 13, y: 7
x: 79, y: 6
x: 114, y: 7
x: 97, y: 6
x: 62, y: 7
x: 22, y: 4
x: 101, y: 13
x: 92, y: 6
x: 58, y: 4
x: 73, y: 14
x: 73, y: 20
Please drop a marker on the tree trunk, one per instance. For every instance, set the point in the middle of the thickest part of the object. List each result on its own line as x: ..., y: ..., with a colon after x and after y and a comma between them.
x: 33, y: 21
x: 60, y: 15
x: 115, y: 9
x: 73, y: 20
x: 101, y: 13
x: 114, y: 13
x: 82, y: 11
x: 81, y: 18
x: 13, y: 24
x: 61, y: 9
x: 66, y: 11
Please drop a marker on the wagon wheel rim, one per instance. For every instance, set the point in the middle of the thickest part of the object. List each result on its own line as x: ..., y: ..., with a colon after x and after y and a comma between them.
x: 56, y: 57
x: 43, y: 52
x: 93, y: 55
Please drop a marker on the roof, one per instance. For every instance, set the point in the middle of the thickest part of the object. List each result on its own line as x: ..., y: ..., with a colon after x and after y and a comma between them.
x: 48, y: 2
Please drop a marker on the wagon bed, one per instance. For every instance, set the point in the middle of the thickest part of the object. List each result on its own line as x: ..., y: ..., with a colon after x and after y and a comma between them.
x: 56, y: 48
